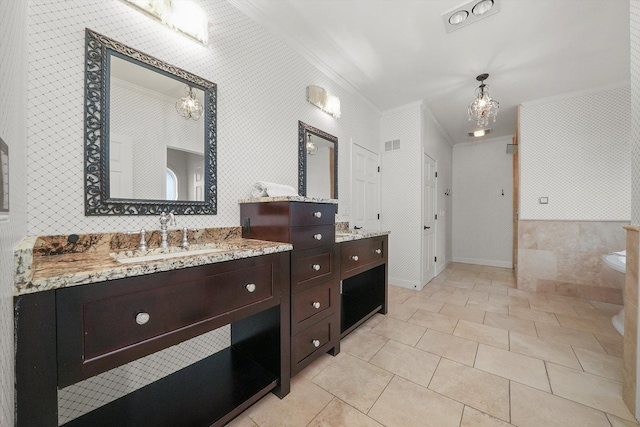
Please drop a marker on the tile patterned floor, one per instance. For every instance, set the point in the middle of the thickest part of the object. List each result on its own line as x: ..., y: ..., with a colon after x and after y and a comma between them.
x: 468, y: 350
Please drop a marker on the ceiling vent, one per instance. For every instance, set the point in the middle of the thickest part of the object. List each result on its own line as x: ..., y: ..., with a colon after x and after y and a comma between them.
x: 392, y: 145
x: 468, y: 13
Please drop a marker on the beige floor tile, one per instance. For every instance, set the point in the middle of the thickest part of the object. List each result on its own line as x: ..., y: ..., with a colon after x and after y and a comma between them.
x: 372, y: 322
x: 550, y: 307
x: 468, y: 284
x: 447, y: 298
x: 590, y: 390
x: 574, y: 302
x: 572, y: 337
x: 481, y: 390
x: 513, y: 366
x: 555, y: 352
x: 493, y: 307
x: 533, y: 315
x: 397, y: 330
x: 317, y: 366
x: 339, y: 414
x: 603, y: 365
x: 362, y: 344
x: 509, y: 323
x: 473, y: 295
x: 593, y: 314
x: 534, y: 408
x: 407, y: 362
x: 354, y: 381
x: 401, y: 311
x: 405, y: 404
x: 298, y: 408
x: 398, y: 298
x: 464, y: 313
x: 495, y: 337
x: 611, y: 343
x: 445, y: 345
x: 511, y: 301
x: 488, y: 288
x: 587, y: 325
x: 424, y: 303
x: 619, y: 422
x: 435, y: 321
x: 606, y: 307
x: 242, y: 421
x: 474, y: 418
x: 513, y: 292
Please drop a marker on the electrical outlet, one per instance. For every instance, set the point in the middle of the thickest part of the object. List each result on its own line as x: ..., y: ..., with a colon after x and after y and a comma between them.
x: 544, y: 200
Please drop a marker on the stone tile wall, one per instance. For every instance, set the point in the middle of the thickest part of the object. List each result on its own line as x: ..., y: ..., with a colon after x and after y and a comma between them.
x: 566, y: 258
x: 630, y: 350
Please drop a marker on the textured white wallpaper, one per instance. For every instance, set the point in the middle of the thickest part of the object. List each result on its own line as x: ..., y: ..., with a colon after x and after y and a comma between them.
x: 261, y: 96
x: 482, y: 216
x: 575, y: 151
x: 13, y: 87
x: 635, y: 112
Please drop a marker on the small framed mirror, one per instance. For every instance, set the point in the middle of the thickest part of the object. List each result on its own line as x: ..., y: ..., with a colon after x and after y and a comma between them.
x: 150, y: 134
x: 317, y: 163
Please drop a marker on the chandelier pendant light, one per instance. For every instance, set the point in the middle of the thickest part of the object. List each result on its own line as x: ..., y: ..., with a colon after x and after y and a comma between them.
x: 483, y: 108
x: 189, y: 107
x: 312, y: 148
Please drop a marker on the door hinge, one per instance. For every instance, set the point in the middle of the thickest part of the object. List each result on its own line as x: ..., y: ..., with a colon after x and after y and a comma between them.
x: 435, y: 259
x: 378, y: 216
x: 436, y: 216
x: 436, y: 174
x: 378, y: 168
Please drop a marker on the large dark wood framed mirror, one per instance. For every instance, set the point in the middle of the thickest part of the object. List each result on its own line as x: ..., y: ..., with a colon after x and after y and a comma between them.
x: 317, y: 163
x: 145, y: 152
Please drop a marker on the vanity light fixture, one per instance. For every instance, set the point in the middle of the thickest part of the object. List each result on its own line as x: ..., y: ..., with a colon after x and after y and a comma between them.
x: 483, y: 107
x: 468, y: 13
x: 189, y: 107
x: 318, y: 96
x: 312, y: 148
x: 181, y: 15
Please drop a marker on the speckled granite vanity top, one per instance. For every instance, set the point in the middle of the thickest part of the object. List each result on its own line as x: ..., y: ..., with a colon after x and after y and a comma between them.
x: 289, y: 199
x: 51, y: 262
x: 347, y: 236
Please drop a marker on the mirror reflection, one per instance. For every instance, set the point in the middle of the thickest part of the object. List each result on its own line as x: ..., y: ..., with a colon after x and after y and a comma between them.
x: 156, y: 140
x: 317, y: 163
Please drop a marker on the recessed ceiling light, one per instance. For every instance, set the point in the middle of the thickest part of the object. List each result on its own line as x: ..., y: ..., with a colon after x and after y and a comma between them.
x: 480, y: 132
x: 483, y: 7
x: 458, y: 17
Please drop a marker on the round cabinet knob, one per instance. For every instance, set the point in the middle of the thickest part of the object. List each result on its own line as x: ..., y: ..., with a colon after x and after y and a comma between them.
x: 378, y: 251
x: 355, y: 257
x: 142, y: 318
x: 316, y: 304
x: 250, y: 287
x: 317, y: 214
x: 316, y: 267
x: 316, y: 343
x: 317, y: 236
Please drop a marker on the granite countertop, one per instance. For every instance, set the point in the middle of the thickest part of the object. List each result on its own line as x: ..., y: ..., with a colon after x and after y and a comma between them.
x: 289, y: 199
x: 52, y: 262
x: 347, y: 236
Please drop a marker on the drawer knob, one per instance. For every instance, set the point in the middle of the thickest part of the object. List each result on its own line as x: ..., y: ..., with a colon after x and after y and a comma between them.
x: 250, y: 287
x: 142, y: 318
x: 316, y: 304
x: 317, y: 236
x: 355, y: 257
x: 316, y: 267
x: 378, y: 251
x: 316, y: 343
x: 317, y: 214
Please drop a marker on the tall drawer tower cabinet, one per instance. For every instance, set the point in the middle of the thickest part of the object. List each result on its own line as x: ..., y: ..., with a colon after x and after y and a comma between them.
x: 315, y: 270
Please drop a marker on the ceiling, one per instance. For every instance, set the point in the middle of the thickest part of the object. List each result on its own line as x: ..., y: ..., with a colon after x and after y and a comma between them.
x: 395, y: 52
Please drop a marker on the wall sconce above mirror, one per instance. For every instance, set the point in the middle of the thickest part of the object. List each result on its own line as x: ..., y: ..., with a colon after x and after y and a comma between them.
x: 328, y: 103
x: 317, y: 163
x: 141, y: 156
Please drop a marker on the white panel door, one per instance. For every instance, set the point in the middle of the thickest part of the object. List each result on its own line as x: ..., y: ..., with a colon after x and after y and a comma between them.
x: 429, y: 221
x: 365, y: 189
x: 120, y: 166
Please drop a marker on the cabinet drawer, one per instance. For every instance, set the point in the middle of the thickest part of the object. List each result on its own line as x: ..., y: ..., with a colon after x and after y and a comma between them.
x: 360, y: 253
x: 313, y: 339
x: 312, y: 267
x: 312, y: 214
x: 312, y: 236
x: 309, y: 306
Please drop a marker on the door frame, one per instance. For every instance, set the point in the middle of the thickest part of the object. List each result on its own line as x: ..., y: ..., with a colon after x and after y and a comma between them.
x: 423, y: 279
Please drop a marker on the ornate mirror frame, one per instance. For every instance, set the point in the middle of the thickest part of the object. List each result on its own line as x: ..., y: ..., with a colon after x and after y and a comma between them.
x: 98, y: 49
x: 303, y: 129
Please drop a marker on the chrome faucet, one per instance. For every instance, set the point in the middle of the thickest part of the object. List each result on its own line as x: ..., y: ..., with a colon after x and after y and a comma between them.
x: 165, y: 221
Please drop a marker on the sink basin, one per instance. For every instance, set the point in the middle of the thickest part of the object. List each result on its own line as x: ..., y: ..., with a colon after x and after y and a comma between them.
x: 163, y: 256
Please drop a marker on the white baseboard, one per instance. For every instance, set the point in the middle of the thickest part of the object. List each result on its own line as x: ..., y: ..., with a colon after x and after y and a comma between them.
x: 487, y: 262
x: 410, y: 284
x: 442, y: 267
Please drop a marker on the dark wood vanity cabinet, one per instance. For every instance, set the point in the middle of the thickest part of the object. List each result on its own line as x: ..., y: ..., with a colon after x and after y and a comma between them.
x: 67, y: 335
x: 315, y: 271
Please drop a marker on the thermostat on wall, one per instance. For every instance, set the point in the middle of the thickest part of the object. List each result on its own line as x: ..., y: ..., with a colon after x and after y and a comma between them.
x: 544, y: 200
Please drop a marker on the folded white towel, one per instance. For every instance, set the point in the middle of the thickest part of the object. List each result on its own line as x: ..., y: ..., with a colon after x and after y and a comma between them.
x: 621, y: 253
x: 270, y: 189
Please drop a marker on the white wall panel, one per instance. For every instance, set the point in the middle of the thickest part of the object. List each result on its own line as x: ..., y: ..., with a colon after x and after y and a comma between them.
x: 482, y: 215
x: 575, y: 151
x: 13, y: 89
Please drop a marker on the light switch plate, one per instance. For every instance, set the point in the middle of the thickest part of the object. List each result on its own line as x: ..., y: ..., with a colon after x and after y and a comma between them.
x: 544, y: 200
